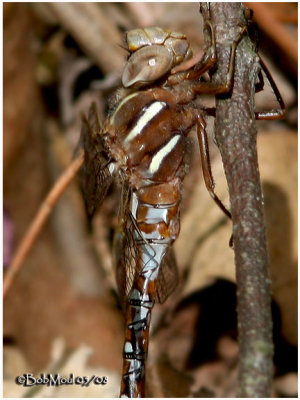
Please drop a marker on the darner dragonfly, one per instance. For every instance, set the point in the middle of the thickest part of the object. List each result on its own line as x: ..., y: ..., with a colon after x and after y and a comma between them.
x: 142, y: 144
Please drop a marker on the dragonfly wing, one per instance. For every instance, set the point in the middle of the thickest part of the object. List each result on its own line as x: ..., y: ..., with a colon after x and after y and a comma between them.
x: 95, y: 175
x: 128, y: 257
x: 126, y: 252
x: 167, y: 277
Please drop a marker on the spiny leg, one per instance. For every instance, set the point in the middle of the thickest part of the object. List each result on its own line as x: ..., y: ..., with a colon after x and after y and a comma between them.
x: 206, y: 168
x: 224, y: 87
x: 272, y: 114
x: 209, y: 58
x: 205, y: 64
x: 205, y: 161
x: 261, y: 115
x: 259, y: 86
x: 186, y: 91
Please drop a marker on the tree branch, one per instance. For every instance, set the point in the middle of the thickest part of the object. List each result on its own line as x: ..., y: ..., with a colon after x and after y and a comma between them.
x: 235, y: 133
x: 39, y: 220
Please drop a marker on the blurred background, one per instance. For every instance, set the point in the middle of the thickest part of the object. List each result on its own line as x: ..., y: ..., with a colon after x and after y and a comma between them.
x: 62, y: 314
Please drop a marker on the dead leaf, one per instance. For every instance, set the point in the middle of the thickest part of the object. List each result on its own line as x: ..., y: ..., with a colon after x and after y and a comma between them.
x: 202, y: 247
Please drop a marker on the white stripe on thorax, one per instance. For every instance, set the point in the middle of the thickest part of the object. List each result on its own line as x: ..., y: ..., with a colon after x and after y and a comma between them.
x: 112, y: 118
x: 162, y: 153
x: 149, y: 114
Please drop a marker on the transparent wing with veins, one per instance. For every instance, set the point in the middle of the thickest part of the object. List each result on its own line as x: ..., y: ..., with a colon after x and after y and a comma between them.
x: 128, y: 257
x: 96, y: 172
x: 167, y: 278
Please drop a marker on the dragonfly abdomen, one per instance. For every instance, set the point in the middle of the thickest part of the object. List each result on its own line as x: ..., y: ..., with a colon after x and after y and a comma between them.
x: 155, y: 209
x: 157, y: 226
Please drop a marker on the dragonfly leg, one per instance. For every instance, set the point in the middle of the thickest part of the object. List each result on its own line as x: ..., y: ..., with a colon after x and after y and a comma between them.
x: 209, y: 57
x: 261, y: 115
x: 272, y: 114
x: 207, y: 61
x: 205, y: 161
x: 187, y: 89
x: 259, y: 86
x: 223, y: 87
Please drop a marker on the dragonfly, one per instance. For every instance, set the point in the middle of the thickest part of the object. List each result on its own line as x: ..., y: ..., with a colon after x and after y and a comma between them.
x: 142, y: 145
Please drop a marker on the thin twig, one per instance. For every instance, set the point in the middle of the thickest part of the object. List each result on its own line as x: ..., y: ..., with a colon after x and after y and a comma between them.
x: 40, y: 219
x: 236, y: 138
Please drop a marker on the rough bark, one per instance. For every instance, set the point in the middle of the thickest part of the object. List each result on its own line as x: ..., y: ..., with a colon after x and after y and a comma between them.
x: 235, y: 134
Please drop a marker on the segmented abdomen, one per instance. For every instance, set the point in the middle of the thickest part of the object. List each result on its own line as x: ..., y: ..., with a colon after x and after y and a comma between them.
x: 155, y: 212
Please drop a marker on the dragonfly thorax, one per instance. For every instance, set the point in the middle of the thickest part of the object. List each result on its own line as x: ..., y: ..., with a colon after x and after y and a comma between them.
x: 145, y: 138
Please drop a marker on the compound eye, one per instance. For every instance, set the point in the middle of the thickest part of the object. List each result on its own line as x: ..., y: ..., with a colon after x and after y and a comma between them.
x: 146, y: 65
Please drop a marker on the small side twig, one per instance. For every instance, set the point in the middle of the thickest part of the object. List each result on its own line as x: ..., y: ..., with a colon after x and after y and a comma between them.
x: 40, y: 219
x: 235, y: 132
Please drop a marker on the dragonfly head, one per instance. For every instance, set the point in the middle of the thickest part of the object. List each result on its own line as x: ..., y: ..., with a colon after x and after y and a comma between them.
x: 153, y: 53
